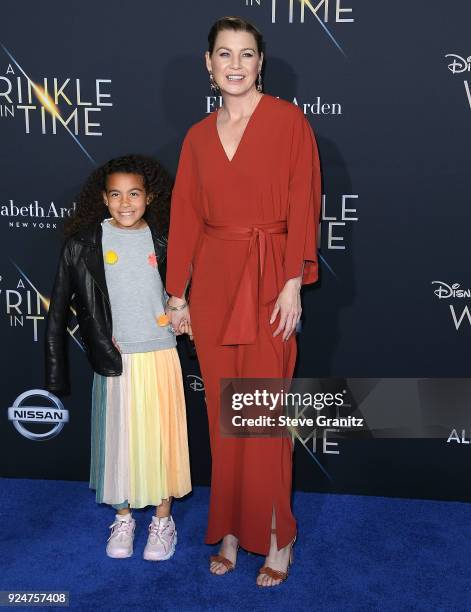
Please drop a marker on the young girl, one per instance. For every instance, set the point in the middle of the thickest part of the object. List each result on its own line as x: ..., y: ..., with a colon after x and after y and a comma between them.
x: 113, y: 266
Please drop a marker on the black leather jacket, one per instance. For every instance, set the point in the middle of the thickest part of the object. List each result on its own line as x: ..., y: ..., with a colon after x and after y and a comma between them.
x: 81, y: 276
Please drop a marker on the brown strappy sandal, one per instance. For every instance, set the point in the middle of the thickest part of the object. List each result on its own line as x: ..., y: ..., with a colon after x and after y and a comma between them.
x: 277, y: 574
x: 226, y: 562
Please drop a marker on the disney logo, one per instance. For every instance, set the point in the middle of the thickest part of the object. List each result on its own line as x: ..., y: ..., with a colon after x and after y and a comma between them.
x: 196, y: 382
x: 459, y: 64
x: 450, y: 291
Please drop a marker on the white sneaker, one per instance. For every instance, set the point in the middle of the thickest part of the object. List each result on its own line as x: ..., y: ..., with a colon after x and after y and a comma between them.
x: 120, y: 542
x: 162, y: 539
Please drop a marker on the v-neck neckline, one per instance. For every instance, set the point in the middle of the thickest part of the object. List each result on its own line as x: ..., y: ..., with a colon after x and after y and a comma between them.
x: 216, y: 113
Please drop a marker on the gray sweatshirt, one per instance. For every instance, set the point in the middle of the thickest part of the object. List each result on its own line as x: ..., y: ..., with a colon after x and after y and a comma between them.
x: 136, y: 291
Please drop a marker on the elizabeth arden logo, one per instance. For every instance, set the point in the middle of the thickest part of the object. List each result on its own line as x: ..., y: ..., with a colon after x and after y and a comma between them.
x: 34, y: 215
x: 318, y: 106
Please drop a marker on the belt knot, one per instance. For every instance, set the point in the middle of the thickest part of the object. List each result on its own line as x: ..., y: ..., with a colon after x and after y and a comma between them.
x: 258, y: 281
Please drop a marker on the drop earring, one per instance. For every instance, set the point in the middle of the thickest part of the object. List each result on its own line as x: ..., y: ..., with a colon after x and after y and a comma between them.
x: 212, y: 82
x: 259, y: 82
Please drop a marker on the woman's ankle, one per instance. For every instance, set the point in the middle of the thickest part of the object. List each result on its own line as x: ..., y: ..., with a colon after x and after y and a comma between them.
x: 230, y: 541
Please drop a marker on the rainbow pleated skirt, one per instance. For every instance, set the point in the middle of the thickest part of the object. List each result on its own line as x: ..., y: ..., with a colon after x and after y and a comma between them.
x: 139, y: 450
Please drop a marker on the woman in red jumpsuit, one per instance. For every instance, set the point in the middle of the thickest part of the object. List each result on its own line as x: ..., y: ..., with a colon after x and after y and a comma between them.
x: 243, y: 226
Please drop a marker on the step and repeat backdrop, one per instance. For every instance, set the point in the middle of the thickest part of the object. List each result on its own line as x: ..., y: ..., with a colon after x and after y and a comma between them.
x: 387, y: 89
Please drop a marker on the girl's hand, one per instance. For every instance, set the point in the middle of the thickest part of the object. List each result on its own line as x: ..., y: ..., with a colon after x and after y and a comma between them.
x: 115, y: 343
x: 178, y: 318
x: 288, y: 306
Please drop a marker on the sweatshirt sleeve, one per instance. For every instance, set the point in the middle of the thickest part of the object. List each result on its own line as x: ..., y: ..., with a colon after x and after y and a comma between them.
x: 185, y: 222
x: 304, y: 202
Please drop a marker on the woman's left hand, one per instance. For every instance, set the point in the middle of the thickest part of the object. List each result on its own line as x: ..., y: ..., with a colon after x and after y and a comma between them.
x: 185, y: 328
x: 288, y: 306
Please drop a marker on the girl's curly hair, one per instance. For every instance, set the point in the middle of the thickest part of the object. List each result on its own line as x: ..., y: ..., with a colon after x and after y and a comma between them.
x: 91, y: 209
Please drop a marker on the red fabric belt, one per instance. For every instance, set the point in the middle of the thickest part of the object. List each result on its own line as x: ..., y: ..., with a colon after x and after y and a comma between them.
x: 258, y: 282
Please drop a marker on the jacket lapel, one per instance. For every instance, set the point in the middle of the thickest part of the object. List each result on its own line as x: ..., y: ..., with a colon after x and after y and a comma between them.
x: 94, y: 259
x: 160, y: 248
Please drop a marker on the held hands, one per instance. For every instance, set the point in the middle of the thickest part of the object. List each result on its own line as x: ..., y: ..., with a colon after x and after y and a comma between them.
x: 179, y: 319
x: 288, y: 306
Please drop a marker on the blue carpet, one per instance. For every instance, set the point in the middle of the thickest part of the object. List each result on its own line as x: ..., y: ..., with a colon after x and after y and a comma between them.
x: 353, y: 553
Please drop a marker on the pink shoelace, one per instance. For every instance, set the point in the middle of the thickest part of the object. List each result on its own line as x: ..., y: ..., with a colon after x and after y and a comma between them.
x: 156, y: 532
x: 120, y: 527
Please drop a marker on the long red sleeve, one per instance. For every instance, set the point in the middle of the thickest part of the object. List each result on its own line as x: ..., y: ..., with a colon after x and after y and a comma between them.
x: 185, y: 223
x: 304, y: 204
